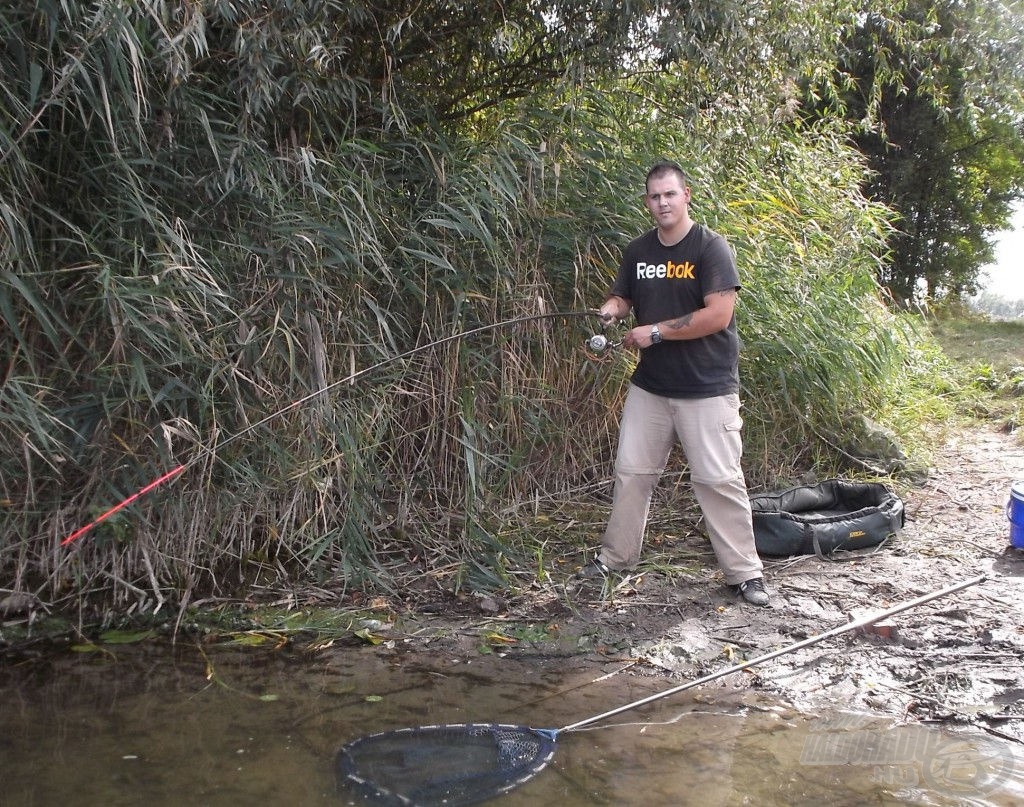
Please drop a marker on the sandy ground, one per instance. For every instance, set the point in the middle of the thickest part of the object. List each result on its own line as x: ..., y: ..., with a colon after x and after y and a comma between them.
x: 955, y: 659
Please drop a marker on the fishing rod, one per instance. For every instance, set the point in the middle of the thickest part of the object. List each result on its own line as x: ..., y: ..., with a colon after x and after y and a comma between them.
x: 210, y: 450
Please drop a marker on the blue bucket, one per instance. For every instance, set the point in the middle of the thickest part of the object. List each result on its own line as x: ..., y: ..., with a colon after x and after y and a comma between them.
x: 1015, y: 512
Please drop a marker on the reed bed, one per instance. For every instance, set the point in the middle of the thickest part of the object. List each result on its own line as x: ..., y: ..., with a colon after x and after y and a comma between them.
x: 190, y: 245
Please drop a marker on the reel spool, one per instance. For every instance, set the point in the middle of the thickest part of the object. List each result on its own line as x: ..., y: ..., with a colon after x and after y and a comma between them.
x: 599, y: 343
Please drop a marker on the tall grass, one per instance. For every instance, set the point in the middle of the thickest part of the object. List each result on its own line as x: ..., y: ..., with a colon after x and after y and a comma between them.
x: 199, y: 229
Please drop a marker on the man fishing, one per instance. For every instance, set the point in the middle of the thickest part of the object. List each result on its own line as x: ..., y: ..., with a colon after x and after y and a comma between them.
x: 680, y: 281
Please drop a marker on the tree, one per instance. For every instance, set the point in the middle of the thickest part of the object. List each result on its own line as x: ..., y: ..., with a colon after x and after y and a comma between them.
x: 936, y: 91
x: 998, y: 306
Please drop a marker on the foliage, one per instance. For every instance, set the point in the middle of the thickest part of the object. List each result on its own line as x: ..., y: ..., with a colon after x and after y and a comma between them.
x: 939, y: 91
x: 211, y: 211
x: 988, y: 360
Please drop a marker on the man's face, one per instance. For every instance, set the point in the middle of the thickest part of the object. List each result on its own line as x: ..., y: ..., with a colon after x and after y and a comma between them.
x: 667, y: 199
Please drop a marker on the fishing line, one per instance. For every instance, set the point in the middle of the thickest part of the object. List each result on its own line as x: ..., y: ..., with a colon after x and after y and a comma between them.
x: 210, y: 450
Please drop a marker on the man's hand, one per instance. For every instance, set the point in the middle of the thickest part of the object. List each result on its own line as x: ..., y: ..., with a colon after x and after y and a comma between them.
x: 613, y: 310
x: 638, y: 337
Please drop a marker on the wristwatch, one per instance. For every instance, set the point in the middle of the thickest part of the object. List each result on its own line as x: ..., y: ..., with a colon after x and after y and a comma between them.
x: 655, y: 335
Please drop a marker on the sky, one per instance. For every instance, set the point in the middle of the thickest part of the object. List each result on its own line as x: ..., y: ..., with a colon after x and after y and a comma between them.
x: 1005, y: 277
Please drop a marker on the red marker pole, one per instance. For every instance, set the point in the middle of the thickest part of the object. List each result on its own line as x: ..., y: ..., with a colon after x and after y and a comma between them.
x: 124, y: 503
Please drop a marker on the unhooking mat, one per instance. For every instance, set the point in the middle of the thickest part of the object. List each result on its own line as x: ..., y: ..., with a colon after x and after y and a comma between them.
x: 819, y: 519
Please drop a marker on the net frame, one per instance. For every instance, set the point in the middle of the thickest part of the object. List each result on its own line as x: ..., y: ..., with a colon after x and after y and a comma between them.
x: 450, y: 764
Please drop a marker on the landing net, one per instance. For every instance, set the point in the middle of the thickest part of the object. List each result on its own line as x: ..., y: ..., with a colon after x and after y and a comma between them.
x: 466, y: 763
x: 451, y: 765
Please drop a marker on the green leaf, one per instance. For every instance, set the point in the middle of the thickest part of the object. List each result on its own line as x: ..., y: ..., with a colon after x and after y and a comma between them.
x: 370, y: 638
x: 126, y: 637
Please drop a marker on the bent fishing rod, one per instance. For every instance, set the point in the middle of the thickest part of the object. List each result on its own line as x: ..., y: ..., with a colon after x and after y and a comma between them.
x: 210, y: 450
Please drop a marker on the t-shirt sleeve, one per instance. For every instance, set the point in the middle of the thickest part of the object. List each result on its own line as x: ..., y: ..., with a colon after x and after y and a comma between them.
x: 720, y: 262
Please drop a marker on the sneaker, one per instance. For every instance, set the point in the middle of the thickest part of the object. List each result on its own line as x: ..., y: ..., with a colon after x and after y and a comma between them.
x: 593, y: 570
x: 753, y: 591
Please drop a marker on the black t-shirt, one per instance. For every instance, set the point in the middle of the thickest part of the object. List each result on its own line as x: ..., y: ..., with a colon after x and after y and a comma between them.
x: 669, y: 282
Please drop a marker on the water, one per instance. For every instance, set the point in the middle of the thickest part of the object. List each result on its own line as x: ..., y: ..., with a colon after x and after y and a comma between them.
x: 160, y: 725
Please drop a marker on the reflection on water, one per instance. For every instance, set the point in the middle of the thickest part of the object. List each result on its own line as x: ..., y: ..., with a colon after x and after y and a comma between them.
x: 147, y: 726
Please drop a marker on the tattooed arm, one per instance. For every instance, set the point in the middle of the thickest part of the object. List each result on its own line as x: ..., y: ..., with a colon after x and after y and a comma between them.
x: 713, y: 317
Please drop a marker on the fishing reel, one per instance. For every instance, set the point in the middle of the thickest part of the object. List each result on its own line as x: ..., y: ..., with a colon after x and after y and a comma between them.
x: 601, y: 343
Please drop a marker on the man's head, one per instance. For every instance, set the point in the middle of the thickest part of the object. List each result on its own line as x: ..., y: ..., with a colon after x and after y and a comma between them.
x: 665, y: 168
x: 667, y: 198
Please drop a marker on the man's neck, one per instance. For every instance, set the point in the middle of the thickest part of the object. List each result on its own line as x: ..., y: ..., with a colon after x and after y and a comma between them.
x: 673, y: 236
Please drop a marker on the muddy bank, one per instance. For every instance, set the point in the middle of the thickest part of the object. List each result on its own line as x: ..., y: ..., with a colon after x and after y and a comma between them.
x: 955, y: 659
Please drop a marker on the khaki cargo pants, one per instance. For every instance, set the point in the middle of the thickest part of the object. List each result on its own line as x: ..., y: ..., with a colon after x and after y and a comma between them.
x: 709, y: 431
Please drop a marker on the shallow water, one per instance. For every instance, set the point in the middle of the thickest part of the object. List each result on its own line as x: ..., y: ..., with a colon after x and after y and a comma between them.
x: 158, y: 725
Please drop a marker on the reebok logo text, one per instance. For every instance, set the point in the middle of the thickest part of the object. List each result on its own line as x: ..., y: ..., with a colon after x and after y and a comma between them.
x: 671, y: 270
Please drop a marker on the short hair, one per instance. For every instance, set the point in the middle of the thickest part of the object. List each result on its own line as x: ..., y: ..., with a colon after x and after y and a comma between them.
x: 662, y: 167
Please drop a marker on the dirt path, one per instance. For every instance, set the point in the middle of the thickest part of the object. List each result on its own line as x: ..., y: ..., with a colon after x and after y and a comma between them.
x: 957, y: 658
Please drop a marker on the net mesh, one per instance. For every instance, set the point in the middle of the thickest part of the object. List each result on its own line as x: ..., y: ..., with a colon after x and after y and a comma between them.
x: 447, y: 765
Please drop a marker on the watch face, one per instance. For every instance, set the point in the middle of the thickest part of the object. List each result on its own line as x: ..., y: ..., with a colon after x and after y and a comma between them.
x: 655, y: 334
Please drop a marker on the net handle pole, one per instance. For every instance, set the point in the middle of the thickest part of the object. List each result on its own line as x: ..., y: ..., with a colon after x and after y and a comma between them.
x: 849, y: 626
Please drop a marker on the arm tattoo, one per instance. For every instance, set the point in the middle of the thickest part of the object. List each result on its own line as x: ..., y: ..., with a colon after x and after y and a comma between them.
x: 682, y: 322
x: 686, y: 319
